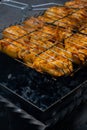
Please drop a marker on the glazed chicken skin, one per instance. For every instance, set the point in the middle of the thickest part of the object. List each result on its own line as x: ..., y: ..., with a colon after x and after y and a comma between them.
x: 56, y: 13
x: 11, y: 48
x: 54, y: 61
x: 73, y: 21
x: 50, y: 33
x: 47, y: 32
x: 16, y: 33
x: 40, y: 41
x: 84, y: 31
x: 32, y: 24
x: 35, y: 49
x: 77, y: 45
x: 76, y: 4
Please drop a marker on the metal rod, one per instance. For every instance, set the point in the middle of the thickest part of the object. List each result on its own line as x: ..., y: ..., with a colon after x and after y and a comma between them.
x: 44, y: 47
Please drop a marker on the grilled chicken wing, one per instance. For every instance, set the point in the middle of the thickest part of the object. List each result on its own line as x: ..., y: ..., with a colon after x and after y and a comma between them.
x: 77, y: 45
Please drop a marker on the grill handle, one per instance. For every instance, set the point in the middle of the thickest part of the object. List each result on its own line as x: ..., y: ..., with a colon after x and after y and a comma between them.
x: 15, y: 4
x: 25, y: 6
x: 44, y: 6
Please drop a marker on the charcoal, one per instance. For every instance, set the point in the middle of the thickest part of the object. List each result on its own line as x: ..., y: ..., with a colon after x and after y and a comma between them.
x: 40, y: 89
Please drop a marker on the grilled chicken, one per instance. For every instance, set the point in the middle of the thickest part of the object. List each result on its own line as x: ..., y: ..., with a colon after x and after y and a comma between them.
x: 52, y: 42
x: 77, y: 45
x: 36, y: 47
x: 73, y: 21
x: 84, y: 31
x: 32, y: 24
x: 77, y: 3
x: 16, y: 33
x: 50, y: 33
x: 55, y: 13
x: 80, y: 14
x: 58, y: 12
x: 54, y: 61
x: 11, y: 48
x: 40, y: 41
x: 47, y: 32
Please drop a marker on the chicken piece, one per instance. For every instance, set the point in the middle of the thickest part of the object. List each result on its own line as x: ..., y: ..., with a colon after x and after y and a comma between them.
x: 45, y: 19
x: 63, y: 33
x: 77, y: 3
x: 54, y: 61
x: 28, y: 56
x: 80, y: 15
x: 16, y: 32
x: 74, y: 21
x: 36, y: 47
x: 50, y: 33
x: 77, y: 45
x: 67, y: 23
x: 45, y: 33
x: 58, y: 12
x: 83, y: 26
x: 84, y: 31
x: 55, y: 13
x: 32, y: 24
x: 42, y: 40
x: 10, y: 47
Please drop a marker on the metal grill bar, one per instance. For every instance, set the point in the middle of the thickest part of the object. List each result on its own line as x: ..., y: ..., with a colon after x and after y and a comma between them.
x: 51, y: 13
x: 59, y: 69
x: 67, y: 16
x: 47, y: 37
x: 78, y: 44
x: 55, y: 42
x: 44, y: 47
x: 46, y: 59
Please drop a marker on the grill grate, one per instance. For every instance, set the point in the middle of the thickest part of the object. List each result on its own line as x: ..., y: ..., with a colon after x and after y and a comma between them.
x: 45, y: 43
x: 33, y: 86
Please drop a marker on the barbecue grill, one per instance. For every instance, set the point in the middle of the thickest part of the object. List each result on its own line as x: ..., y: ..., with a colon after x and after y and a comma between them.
x: 44, y: 99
